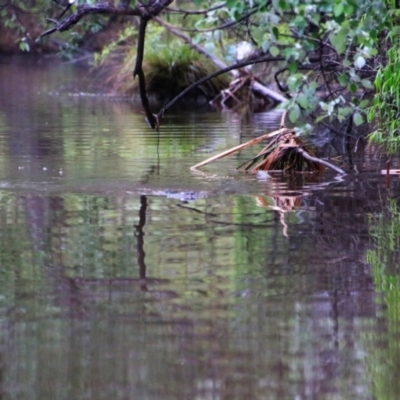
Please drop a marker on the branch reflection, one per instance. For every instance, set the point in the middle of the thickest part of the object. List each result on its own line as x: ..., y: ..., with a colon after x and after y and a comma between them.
x: 139, y: 233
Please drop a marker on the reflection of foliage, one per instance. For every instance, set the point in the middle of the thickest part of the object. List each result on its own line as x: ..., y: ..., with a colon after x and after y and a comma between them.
x: 386, y: 105
x: 384, y: 259
x: 385, y: 229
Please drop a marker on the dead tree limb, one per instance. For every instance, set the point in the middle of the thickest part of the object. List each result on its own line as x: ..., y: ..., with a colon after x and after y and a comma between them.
x: 149, y: 10
x: 278, y: 97
x: 238, y: 148
x: 86, y: 9
x: 256, y: 86
x: 319, y: 161
x: 138, y: 70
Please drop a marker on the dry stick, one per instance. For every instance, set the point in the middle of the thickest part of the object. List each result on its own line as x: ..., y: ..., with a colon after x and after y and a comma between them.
x: 317, y: 160
x: 238, y: 148
x: 283, y: 119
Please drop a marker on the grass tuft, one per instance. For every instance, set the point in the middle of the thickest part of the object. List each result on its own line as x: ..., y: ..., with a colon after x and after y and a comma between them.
x: 170, y: 66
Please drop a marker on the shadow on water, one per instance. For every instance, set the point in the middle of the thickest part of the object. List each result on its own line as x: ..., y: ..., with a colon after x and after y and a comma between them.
x: 125, y: 276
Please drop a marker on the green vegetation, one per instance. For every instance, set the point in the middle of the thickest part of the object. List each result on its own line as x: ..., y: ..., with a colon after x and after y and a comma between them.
x: 386, y: 104
x: 170, y: 66
x: 384, y: 258
x: 329, y: 56
x: 385, y: 110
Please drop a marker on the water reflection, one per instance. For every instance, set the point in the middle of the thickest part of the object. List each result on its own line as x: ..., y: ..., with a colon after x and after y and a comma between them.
x: 125, y: 276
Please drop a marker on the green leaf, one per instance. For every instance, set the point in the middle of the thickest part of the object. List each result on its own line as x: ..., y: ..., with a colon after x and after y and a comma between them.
x: 338, y: 9
x: 339, y: 40
x: 283, y: 4
x: 294, y: 113
x: 293, y: 67
x: 324, y: 106
x: 367, y: 84
x: 23, y: 46
x: 358, y: 118
x: 293, y: 82
x: 276, y: 5
x: 274, y: 51
x: 343, y: 79
x: 349, y: 9
x: 353, y: 87
x: 346, y: 63
x: 265, y: 45
x: 303, y: 100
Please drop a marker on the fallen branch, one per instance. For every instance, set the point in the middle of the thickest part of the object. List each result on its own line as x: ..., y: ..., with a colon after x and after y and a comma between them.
x: 265, y: 91
x: 279, y: 98
x: 285, y: 153
x: 224, y: 68
x: 319, y: 161
x: 238, y: 148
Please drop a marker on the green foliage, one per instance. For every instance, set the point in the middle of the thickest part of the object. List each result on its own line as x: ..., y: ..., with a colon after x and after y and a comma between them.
x: 330, y: 51
x: 385, y: 231
x: 170, y: 65
x: 24, y: 20
x: 295, y: 30
x: 384, y: 258
x: 385, y: 109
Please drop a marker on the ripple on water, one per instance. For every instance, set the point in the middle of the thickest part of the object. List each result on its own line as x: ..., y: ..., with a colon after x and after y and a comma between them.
x: 129, y: 276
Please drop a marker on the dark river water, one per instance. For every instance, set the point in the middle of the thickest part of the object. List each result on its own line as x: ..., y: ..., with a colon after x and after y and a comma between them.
x: 124, y: 275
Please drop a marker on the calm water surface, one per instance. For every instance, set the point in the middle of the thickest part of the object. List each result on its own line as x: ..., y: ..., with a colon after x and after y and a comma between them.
x: 124, y: 275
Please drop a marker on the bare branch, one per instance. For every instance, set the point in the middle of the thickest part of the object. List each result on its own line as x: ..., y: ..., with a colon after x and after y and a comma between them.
x: 220, y: 72
x: 238, y: 148
x: 149, y: 10
x: 145, y: 11
x: 319, y: 161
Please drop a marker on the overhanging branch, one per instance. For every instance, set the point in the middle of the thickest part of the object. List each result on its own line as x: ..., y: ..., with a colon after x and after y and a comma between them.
x: 145, y: 11
x: 220, y: 72
x: 148, y: 10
